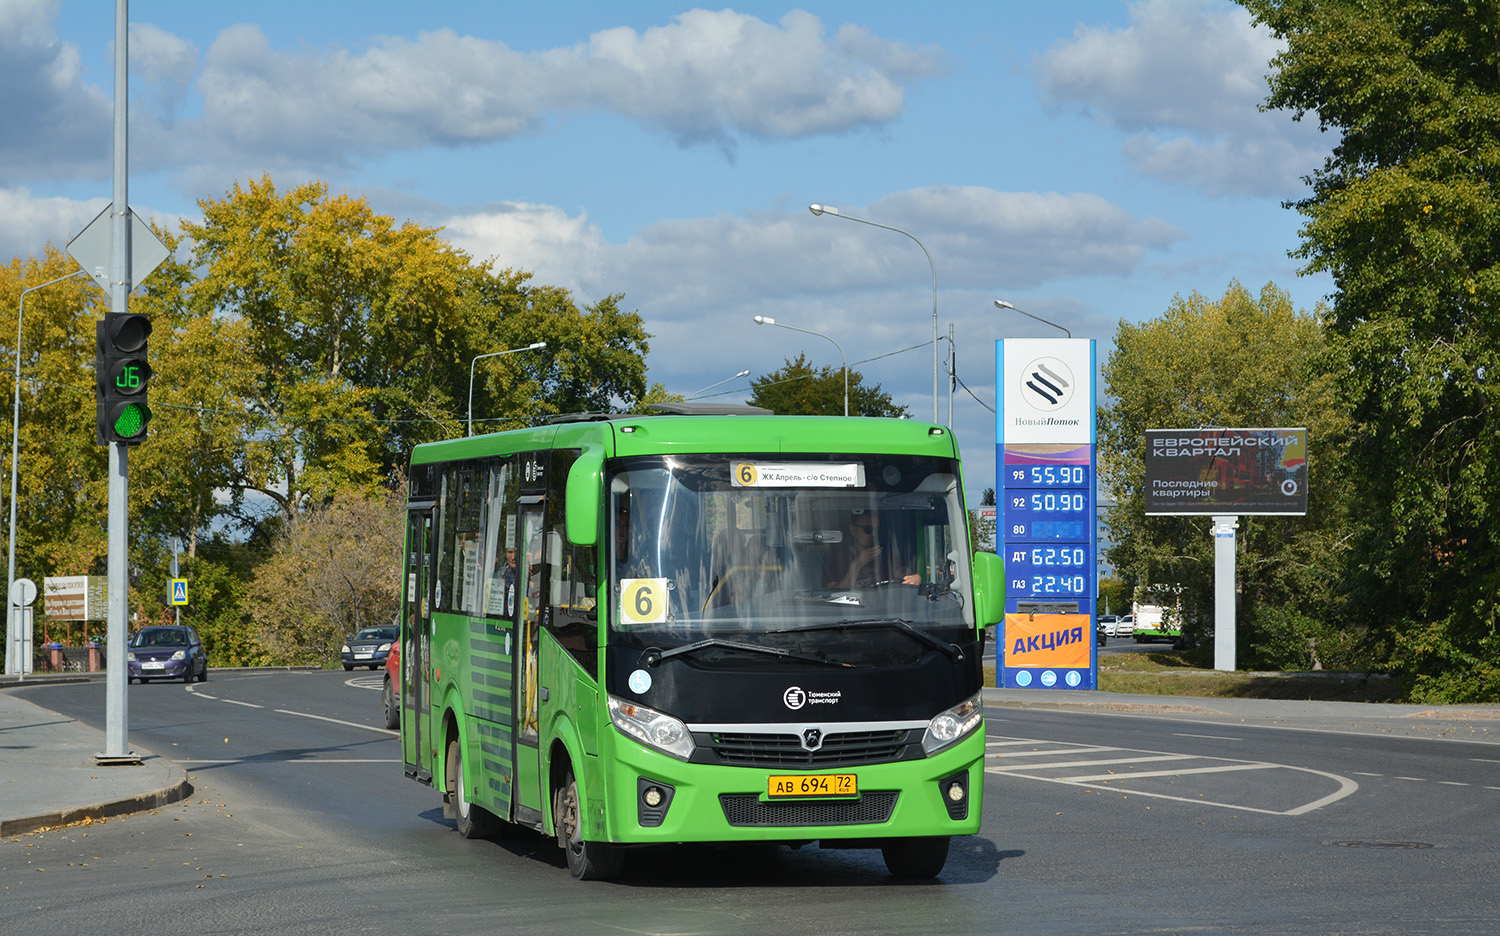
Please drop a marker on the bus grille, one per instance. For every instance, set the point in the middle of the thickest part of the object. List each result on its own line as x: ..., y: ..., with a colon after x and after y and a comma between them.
x: 751, y: 749
x: 747, y: 809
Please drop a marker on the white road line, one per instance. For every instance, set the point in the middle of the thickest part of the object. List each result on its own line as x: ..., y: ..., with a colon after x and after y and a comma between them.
x: 1059, y: 751
x: 1211, y: 737
x: 290, y: 760
x: 1172, y: 773
x: 1360, y: 774
x: 1451, y: 783
x: 236, y: 702
x: 1484, y: 760
x: 1096, y: 763
x: 1103, y: 782
x: 1414, y: 779
x: 339, y: 721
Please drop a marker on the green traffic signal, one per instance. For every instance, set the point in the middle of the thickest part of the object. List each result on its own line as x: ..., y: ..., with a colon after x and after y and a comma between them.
x: 121, y: 375
x: 130, y: 420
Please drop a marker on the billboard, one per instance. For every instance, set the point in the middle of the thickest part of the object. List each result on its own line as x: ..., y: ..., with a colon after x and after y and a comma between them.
x: 76, y: 597
x: 1226, y: 471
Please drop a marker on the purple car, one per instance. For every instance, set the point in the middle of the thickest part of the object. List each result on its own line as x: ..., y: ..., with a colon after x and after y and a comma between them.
x: 170, y: 651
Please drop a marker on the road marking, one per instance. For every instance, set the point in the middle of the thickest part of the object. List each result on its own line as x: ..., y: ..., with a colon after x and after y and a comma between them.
x: 1173, y: 773
x: 339, y: 721
x: 290, y: 760
x: 1451, y: 783
x: 1100, y: 763
x: 1211, y: 737
x: 336, y: 721
x: 1484, y: 760
x: 1054, y: 753
x: 1414, y: 779
x: 1361, y: 774
x: 1006, y: 764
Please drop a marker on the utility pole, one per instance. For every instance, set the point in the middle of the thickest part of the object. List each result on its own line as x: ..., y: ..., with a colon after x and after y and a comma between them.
x: 116, y: 713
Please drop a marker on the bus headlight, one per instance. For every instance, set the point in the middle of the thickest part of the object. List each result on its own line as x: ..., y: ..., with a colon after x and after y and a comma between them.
x: 948, y: 727
x: 652, y: 728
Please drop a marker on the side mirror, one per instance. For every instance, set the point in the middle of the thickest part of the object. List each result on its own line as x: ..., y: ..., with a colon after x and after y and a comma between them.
x: 989, y: 589
x: 584, y: 492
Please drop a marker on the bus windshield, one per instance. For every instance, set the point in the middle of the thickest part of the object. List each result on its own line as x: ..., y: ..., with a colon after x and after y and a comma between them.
x: 760, y: 560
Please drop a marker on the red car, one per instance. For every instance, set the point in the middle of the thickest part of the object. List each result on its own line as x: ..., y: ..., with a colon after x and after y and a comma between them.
x: 390, y: 693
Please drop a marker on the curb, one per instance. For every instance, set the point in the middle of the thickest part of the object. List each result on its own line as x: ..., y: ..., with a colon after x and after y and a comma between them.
x: 140, y: 802
x: 55, y: 679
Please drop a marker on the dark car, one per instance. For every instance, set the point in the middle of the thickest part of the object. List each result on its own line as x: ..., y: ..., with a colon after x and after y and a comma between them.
x: 170, y: 651
x: 369, y: 647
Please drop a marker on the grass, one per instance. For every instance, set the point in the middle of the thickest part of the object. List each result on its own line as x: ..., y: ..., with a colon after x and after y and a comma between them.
x: 1177, y: 673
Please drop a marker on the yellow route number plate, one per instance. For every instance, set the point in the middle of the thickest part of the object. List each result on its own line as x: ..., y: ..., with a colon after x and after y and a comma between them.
x: 837, y: 784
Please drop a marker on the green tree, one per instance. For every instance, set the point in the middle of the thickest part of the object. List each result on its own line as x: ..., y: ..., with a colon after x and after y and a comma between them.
x: 62, y: 498
x: 1240, y: 361
x: 1404, y: 215
x: 335, y: 568
x: 799, y: 389
x: 354, y: 340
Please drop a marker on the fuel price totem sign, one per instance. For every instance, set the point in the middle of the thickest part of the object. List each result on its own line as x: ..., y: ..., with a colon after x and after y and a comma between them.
x: 1045, y: 461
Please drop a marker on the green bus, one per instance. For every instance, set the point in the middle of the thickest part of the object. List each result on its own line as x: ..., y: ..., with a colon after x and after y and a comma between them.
x: 705, y: 624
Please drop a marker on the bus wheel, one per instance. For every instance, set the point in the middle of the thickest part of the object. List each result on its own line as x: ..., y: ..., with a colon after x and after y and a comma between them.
x: 587, y: 861
x: 916, y: 857
x: 473, y: 821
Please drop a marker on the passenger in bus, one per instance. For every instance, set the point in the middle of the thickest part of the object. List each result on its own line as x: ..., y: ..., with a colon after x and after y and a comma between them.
x: 863, y: 560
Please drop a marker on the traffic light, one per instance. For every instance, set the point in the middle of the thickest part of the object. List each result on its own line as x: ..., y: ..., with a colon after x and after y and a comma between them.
x: 120, y: 375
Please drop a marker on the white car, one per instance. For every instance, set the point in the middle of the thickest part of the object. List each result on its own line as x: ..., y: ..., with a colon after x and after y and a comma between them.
x: 1107, y: 624
x: 1125, y: 626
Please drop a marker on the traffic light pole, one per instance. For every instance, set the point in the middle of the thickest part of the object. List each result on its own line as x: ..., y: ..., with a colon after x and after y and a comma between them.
x: 116, y: 711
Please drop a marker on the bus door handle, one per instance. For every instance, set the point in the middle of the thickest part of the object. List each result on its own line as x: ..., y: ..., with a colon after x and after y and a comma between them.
x: 544, y: 695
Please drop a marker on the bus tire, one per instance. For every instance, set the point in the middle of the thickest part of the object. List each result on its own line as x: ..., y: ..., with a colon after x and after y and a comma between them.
x: 587, y: 861
x: 916, y: 857
x: 473, y: 822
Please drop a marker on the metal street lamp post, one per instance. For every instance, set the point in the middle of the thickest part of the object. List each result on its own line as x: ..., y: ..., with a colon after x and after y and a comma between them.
x: 1002, y: 304
x: 535, y: 346
x: 819, y: 210
x: 12, y: 665
x: 766, y: 320
x: 743, y: 373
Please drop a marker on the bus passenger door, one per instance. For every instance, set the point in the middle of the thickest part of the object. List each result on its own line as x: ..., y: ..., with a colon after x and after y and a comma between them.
x: 416, y: 641
x: 528, y: 787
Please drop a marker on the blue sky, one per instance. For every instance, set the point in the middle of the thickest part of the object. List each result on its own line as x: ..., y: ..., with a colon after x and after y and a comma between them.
x: 1087, y: 161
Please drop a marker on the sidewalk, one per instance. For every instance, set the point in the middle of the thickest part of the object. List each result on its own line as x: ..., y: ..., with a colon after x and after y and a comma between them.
x: 48, y: 775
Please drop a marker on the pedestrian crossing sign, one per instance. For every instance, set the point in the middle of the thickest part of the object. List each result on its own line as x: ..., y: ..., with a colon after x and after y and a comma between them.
x: 179, y: 591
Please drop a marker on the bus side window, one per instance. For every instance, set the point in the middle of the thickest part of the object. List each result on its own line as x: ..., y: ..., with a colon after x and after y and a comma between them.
x: 574, y: 621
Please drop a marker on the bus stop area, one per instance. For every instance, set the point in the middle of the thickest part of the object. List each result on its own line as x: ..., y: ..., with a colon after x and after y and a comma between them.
x: 48, y: 774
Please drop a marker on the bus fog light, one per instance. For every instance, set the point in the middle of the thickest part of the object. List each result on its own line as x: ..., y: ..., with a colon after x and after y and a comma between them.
x: 955, y: 792
x: 654, y: 798
x: 953, y: 725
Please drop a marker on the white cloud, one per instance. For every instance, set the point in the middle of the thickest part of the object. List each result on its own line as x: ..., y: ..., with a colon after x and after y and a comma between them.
x: 1186, y: 78
x: 32, y: 223
x: 708, y: 77
x: 55, y: 125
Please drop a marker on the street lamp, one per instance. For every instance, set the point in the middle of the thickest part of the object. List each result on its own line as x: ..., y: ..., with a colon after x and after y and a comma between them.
x: 535, y: 346
x: 1002, y: 304
x: 767, y: 320
x: 819, y: 210
x: 743, y: 373
x: 12, y: 662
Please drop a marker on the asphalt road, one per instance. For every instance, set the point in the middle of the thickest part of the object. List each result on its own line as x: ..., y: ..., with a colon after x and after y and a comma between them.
x: 1094, y: 822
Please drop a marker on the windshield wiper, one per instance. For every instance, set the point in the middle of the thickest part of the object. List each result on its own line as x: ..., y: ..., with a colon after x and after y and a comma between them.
x: 902, y: 625
x: 653, y: 656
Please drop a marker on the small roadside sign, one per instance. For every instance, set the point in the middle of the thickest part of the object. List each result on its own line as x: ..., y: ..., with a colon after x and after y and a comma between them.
x: 179, y: 591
